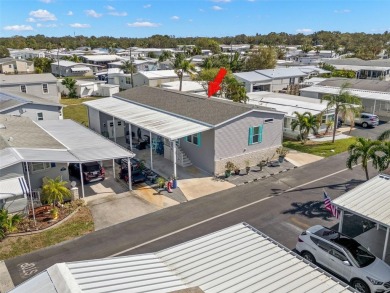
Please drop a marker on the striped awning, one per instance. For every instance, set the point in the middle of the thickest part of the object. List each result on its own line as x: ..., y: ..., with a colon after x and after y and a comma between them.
x: 12, y: 187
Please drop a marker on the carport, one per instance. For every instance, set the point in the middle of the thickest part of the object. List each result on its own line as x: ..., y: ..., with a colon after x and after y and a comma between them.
x: 371, y: 201
x: 83, y: 145
x: 155, y: 122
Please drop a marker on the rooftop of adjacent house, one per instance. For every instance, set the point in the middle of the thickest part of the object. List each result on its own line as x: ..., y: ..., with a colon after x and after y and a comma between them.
x: 9, y: 100
x: 21, y: 132
x: 252, y: 76
x: 235, y: 259
x: 10, y: 59
x: 359, y: 84
x: 157, y: 74
x: 282, y: 72
x: 27, y: 78
x: 67, y: 63
x: 287, y: 103
x: 359, y: 62
x: 102, y: 58
x: 187, y: 86
x: 195, y: 107
x: 276, y: 73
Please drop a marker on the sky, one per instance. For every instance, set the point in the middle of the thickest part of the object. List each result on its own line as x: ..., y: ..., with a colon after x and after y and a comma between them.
x: 190, y: 18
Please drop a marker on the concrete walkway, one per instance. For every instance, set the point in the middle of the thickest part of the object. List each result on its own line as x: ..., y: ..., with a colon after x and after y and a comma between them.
x: 300, y: 159
x: 199, y: 187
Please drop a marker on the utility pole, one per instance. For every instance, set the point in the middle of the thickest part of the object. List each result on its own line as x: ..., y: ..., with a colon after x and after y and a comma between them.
x: 131, y: 68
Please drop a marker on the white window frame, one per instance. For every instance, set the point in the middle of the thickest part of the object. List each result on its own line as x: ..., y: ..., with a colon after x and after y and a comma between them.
x: 44, y: 165
x: 25, y: 88
x: 43, y: 88
x: 40, y: 116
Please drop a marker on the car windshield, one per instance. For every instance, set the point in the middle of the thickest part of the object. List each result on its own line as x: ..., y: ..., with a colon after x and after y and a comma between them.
x: 359, y: 254
x: 91, y: 168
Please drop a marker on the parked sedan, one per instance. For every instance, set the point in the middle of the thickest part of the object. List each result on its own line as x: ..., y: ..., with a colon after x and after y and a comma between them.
x: 92, y: 171
x: 346, y: 258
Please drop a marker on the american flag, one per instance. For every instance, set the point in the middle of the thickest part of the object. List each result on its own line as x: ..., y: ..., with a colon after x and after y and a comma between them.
x: 329, y: 206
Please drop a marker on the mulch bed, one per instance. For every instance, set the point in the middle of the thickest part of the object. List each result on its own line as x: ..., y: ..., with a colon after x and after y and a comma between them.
x: 44, y: 217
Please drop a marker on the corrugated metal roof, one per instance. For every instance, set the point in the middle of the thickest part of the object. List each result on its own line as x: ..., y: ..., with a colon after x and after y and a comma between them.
x: 9, y: 157
x: 13, y: 187
x: 235, y: 259
x: 371, y: 95
x: 282, y: 72
x: 370, y: 200
x: 46, y: 155
x: 358, y: 84
x: 252, y: 76
x: 82, y: 142
x: 163, y: 124
x: 41, y: 283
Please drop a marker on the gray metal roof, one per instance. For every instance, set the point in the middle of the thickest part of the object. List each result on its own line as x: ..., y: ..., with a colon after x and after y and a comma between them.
x: 252, y: 76
x: 235, y: 259
x: 370, y: 200
x: 359, y: 62
x: 27, y: 78
x: 358, y: 84
x: 82, y: 142
x: 163, y: 124
x: 190, y: 106
x: 22, y: 140
x: 282, y: 72
x: 9, y: 100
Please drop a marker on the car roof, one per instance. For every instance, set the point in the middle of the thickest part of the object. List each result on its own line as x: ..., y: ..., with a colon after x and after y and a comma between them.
x: 337, y: 238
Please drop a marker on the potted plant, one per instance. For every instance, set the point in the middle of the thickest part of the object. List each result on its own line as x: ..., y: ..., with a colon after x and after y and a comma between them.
x: 247, y: 166
x: 174, y: 182
x: 54, y: 213
x: 229, y: 168
x: 282, y: 152
x: 236, y: 170
x: 160, y: 184
x: 261, y: 164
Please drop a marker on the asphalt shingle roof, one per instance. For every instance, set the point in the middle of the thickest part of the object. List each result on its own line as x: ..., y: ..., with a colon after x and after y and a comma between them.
x: 27, y: 78
x: 21, y: 132
x: 195, y: 107
x: 359, y: 84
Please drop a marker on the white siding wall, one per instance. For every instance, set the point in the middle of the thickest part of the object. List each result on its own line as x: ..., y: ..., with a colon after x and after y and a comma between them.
x: 94, y: 120
x: 53, y: 172
x: 31, y: 111
x: 36, y: 90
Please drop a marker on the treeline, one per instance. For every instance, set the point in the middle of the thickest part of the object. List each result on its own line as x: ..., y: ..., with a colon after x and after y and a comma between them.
x: 352, y: 42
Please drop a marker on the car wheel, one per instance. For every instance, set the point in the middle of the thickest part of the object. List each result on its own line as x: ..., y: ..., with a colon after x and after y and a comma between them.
x: 360, y: 286
x: 308, y: 256
x: 364, y: 125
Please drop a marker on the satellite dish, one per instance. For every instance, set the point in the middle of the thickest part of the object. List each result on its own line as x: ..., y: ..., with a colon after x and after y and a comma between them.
x: 73, y: 184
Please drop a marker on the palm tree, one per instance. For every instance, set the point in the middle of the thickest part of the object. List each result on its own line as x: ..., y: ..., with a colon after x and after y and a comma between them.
x: 54, y: 190
x: 381, y: 156
x: 363, y: 149
x: 182, y: 66
x: 70, y: 84
x: 128, y: 67
x: 165, y: 55
x: 342, y: 102
x: 8, y: 222
x: 305, y: 122
x: 385, y: 135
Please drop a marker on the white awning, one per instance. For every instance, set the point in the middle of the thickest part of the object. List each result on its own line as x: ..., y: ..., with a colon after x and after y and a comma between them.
x: 77, y: 69
x: 83, y: 144
x: 13, y: 187
x: 163, y: 124
x: 369, y: 200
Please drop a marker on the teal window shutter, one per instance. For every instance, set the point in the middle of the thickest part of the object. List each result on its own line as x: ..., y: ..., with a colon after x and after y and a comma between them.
x: 199, y: 139
x: 250, y: 138
x: 260, y: 133
x: 186, y: 138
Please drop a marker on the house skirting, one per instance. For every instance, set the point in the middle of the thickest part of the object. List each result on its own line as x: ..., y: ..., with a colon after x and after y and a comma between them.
x: 254, y: 158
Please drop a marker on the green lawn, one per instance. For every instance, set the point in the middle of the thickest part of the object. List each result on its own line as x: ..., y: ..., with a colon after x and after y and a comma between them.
x: 73, y: 109
x: 323, y: 149
x: 81, y: 223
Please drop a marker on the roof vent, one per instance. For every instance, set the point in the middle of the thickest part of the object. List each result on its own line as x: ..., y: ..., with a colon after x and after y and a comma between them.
x: 2, y: 126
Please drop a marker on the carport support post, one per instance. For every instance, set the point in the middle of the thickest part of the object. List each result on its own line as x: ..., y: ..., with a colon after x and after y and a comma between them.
x: 373, y: 111
x: 174, y: 159
x: 129, y: 173
x: 151, y: 150
x: 113, y: 123
x: 81, y: 179
x: 113, y: 168
x: 386, y: 243
x: 341, y: 221
x: 29, y: 187
x: 130, y: 138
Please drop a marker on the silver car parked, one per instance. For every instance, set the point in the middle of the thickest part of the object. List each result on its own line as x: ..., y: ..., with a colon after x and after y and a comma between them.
x: 345, y: 257
x: 366, y: 119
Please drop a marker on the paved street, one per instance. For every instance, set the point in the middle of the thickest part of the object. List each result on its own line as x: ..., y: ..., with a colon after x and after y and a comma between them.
x: 369, y: 132
x: 280, y: 206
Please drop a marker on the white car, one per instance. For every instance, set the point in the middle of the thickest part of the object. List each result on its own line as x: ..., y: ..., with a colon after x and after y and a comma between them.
x: 346, y: 258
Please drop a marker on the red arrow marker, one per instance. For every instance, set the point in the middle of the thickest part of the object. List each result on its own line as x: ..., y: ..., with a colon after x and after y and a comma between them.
x: 214, y: 86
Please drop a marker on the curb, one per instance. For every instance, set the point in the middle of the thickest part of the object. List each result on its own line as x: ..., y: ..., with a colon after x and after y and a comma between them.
x: 266, y: 176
